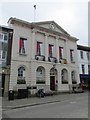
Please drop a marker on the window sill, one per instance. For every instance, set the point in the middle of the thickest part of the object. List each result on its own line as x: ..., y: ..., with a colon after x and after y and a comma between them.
x: 73, y: 62
x: 21, y: 81
x: 22, y: 54
x: 40, y: 82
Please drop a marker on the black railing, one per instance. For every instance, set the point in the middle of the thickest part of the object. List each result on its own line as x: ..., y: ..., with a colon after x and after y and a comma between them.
x: 52, y: 59
x: 41, y: 57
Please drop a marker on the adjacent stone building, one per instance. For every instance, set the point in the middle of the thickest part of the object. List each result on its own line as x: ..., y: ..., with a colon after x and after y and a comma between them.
x: 5, y: 57
x: 43, y: 55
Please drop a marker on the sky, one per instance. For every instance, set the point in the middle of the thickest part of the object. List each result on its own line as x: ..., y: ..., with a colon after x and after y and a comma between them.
x: 71, y: 15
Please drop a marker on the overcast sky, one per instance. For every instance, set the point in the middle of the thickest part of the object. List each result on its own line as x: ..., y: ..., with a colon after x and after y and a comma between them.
x: 71, y: 15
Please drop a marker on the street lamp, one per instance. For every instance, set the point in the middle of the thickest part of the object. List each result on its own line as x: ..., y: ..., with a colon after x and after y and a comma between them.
x: 3, y: 71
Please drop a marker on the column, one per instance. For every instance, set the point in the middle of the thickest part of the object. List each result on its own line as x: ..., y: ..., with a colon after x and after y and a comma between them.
x: 57, y: 49
x: 33, y: 44
x: 70, y: 81
x: 46, y: 46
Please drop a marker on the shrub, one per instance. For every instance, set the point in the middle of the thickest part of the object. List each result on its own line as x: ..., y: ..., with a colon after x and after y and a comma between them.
x: 74, y: 82
x: 40, y: 82
x: 21, y: 82
x: 64, y: 82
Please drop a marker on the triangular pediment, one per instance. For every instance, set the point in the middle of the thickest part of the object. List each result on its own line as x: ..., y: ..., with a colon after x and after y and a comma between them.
x: 52, y: 26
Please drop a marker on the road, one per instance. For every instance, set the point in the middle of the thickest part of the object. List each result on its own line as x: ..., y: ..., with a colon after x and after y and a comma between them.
x: 71, y: 108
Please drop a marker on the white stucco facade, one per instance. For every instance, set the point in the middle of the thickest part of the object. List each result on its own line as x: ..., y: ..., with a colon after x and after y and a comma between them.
x: 43, y: 70
x: 83, y: 61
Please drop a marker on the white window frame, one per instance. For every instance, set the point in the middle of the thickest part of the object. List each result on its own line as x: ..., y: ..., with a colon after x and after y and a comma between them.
x: 3, y: 37
x: 25, y: 46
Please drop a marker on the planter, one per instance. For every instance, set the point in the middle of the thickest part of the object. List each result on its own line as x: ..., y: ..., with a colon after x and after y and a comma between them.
x: 21, y: 82
x: 40, y: 82
x: 64, y: 82
x: 74, y: 82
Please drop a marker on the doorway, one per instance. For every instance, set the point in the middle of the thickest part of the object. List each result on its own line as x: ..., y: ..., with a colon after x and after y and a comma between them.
x: 52, y: 82
x: 3, y: 82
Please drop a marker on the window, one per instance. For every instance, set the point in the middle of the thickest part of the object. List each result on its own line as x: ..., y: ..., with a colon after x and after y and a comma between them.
x: 21, y: 75
x: 4, y: 36
x: 3, y: 54
x: 81, y: 54
x: 89, y: 69
x: 50, y: 50
x: 88, y: 56
x: 83, y: 69
x: 22, y: 45
x: 64, y: 76
x: 60, y: 52
x: 72, y: 55
x: 73, y: 75
x: 21, y: 72
x: 40, y: 75
x: 1, y: 36
x: 39, y: 48
x: 0, y: 54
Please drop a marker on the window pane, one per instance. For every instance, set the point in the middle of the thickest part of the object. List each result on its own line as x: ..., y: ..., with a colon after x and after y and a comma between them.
x: 60, y: 52
x: 0, y: 54
x: 21, y: 72
x: 72, y: 55
x: 88, y: 56
x: 83, y: 69
x: 5, y: 37
x: 3, y: 55
x: 1, y: 36
x: 22, y: 45
x: 89, y: 69
x: 39, y: 49
x: 81, y: 54
x: 51, y: 47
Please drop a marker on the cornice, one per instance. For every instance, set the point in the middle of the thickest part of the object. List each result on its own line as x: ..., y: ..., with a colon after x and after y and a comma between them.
x: 42, y: 29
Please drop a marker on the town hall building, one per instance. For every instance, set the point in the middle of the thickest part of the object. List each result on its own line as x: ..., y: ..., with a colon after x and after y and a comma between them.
x: 43, y: 55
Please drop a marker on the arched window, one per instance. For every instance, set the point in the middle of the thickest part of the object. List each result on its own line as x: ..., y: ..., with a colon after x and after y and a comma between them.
x: 64, y: 76
x: 53, y: 71
x: 73, y: 77
x: 21, y: 75
x: 21, y: 72
x: 40, y: 75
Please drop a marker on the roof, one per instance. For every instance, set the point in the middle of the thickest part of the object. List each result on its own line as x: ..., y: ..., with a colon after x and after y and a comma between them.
x: 37, y: 26
x: 45, y: 22
x: 84, y: 48
x: 3, y: 27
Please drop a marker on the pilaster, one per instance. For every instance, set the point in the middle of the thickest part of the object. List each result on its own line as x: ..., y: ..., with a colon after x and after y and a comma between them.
x: 57, y: 49
x: 46, y: 46
x: 33, y: 44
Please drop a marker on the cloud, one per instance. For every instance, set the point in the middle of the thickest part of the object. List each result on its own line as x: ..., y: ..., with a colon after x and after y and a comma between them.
x: 70, y: 15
